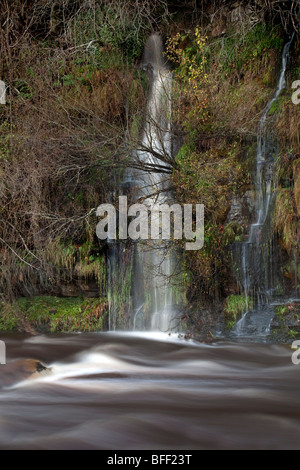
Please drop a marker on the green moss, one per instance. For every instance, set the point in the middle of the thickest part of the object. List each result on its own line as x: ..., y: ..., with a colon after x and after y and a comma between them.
x: 277, y: 104
x: 293, y: 334
x: 280, y: 311
x: 236, y: 305
x: 242, y: 52
x: 55, y: 314
x: 230, y: 324
x: 8, y: 317
x: 233, y: 232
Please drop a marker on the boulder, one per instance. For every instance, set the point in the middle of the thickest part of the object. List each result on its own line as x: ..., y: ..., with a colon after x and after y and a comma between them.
x: 22, y: 369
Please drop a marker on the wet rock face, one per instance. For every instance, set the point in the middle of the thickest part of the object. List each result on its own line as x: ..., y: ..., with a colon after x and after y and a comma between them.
x: 242, y: 209
x: 40, y: 367
x: 88, y: 288
x: 235, y: 213
x: 286, y: 320
x: 20, y: 370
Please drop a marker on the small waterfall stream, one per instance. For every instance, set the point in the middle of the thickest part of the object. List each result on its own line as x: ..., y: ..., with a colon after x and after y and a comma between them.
x: 258, y: 253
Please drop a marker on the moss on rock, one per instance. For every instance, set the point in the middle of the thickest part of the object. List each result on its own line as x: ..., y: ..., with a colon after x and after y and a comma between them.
x: 54, y: 314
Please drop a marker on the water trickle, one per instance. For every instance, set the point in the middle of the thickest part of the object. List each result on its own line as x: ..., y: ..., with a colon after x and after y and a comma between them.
x: 258, y: 254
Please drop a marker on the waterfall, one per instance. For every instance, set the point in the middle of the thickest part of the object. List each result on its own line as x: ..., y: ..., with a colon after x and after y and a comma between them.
x: 154, y: 304
x: 153, y: 263
x: 258, y: 253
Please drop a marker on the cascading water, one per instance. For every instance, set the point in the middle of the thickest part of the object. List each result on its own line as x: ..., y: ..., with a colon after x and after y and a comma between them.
x: 258, y: 254
x: 153, y: 263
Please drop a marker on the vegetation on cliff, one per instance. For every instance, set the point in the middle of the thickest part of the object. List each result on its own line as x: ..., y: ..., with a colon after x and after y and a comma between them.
x: 75, y: 104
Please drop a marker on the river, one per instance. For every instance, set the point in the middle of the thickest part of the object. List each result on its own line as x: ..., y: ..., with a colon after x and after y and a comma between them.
x: 147, y: 391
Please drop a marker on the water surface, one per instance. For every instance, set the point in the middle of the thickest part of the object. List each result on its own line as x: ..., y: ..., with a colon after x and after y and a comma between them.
x: 142, y: 391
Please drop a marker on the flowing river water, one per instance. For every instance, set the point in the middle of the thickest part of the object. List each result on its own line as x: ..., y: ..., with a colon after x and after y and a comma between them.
x: 147, y: 391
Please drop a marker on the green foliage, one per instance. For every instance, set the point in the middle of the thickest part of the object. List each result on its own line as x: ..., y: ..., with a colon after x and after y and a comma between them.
x: 23, y: 88
x: 243, y: 53
x: 4, y: 140
x: 9, y: 320
x: 81, y: 261
x: 210, y: 177
x: 191, y: 78
x: 230, y: 324
x: 215, y: 162
x: 55, y: 314
x: 233, y: 232
x: 281, y: 310
x: 236, y: 305
x: 190, y: 60
x: 277, y: 104
x: 287, y: 322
